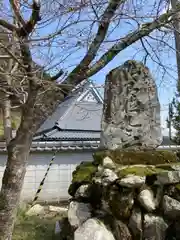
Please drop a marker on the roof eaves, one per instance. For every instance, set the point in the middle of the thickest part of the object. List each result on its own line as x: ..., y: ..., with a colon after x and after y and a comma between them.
x: 44, y: 132
x: 72, y: 146
x: 97, y: 93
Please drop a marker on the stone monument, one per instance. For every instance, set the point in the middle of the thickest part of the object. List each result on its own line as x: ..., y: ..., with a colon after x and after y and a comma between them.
x: 131, y: 113
x: 126, y: 193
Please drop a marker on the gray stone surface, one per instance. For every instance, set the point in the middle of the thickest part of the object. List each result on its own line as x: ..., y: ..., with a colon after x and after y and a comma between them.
x: 154, y: 227
x: 93, y: 229
x: 168, y: 177
x: 82, y: 191
x: 108, y: 176
x: 121, y: 231
x: 108, y: 163
x: 131, y: 114
x: 37, y: 209
x: 135, y: 223
x: 78, y: 212
x: 147, y: 200
x: 132, y: 181
x: 171, y: 207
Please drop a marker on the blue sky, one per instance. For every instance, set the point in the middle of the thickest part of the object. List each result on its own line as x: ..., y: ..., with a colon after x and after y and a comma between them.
x: 54, y: 53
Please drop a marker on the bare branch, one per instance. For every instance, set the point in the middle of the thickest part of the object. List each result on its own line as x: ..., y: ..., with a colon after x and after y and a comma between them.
x: 8, y: 26
x: 11, y: 55
x: 5, y: 57
x: 35, y: 17
x: 59, y: 74
x: 18, y: 17
x: 131, y: 38
x: 80, y: 70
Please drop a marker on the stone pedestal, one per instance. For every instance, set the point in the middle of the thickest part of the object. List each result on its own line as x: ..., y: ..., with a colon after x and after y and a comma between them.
x: 126, y: 195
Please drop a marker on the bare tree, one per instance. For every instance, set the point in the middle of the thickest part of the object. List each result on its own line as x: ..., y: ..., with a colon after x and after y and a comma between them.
x: 43, y: 92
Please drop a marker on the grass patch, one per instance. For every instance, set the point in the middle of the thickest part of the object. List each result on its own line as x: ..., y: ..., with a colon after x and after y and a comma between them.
x: 34, y: 227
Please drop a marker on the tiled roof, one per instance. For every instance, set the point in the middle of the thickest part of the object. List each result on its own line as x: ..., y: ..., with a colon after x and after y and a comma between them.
x: 71, y: 146
x: 73, y: 114
x: 60, y: 111
x: 74, y: 135
x: 43, y: 146
x: 82, y: 116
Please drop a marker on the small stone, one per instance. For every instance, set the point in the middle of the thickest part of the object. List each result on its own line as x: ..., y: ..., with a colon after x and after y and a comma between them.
x: 108, y: 176
x: 37, y: 209
x: 168, y: 177
x: 173, y: 191
x: 132, y: 181
x: 154, y: 227
x: 146, y: 198
x: 82, y: 191
x: 58, y: 209
x: 108, y: 162
x: 97, y: 180
x: 135, y: 223
x: 100, y: 169
x: 57, y: 228
x: 171, y: 207
x: 93, y: 229
x: 175, y: 167
x: 78, y: 213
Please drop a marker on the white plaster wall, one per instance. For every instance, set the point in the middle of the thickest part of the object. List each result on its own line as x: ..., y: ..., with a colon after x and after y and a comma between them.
x: 57, y: 182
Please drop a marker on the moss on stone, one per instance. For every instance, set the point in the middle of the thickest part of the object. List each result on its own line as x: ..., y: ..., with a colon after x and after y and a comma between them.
x: 177, y: 186
x: 169, y: 166
x: 139, y: 171
x: 83, y: 174
x: 150, y: 157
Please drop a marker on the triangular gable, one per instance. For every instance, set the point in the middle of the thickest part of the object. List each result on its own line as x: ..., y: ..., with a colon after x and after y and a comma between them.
x: 91, y: 94
x: 81, y: 94
x: 85, y: 112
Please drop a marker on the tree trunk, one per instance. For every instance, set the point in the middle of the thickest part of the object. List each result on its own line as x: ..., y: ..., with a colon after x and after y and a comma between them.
x: 6, y: 110
x: 13, y: 178
x: 18, y: 153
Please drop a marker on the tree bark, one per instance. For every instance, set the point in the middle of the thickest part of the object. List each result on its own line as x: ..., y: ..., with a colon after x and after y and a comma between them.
x: 13, y: 178
x: 19, y: 147
x: 18, y: 152
x: 6, y: 110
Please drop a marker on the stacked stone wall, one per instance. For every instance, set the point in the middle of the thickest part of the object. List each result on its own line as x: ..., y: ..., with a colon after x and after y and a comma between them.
x: 117, y: 196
